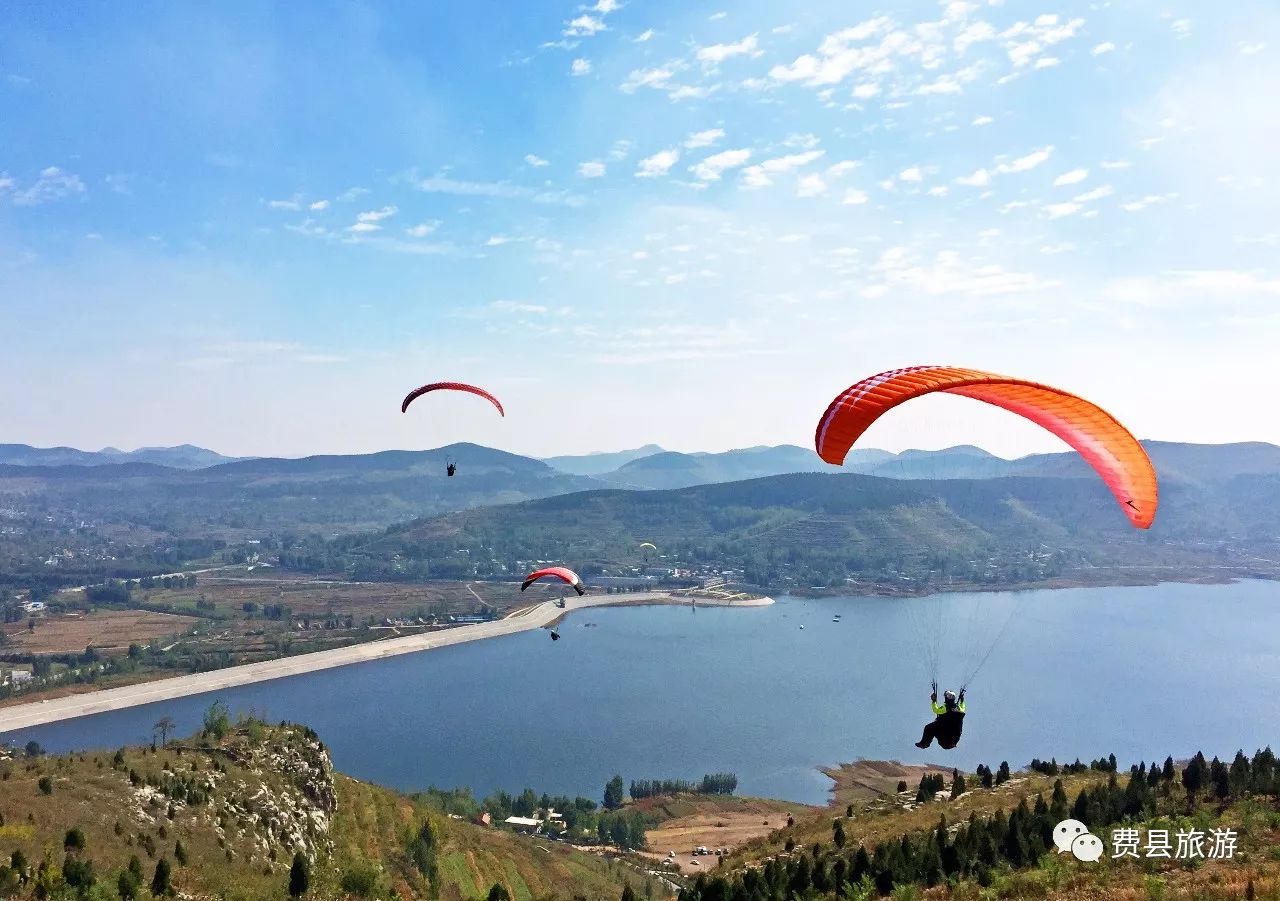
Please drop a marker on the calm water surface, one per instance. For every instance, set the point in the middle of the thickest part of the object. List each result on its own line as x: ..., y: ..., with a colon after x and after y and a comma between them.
x: 672, y: 692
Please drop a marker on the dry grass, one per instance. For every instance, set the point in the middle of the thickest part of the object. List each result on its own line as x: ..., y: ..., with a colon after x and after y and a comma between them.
x: 713, y: 822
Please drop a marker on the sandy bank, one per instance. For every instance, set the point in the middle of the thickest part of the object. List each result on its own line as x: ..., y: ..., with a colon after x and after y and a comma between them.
x: 543, y: 614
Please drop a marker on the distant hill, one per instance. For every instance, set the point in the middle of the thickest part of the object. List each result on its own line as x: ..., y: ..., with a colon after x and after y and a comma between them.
x: 677, y: 470
x: 819, y: 529
x: 1198, y: 463
x: 185, y: 456
x: 324, y: 493
x: 600, y: 462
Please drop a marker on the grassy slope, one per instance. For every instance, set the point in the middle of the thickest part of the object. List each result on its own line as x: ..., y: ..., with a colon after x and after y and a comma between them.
x: 368, y: 823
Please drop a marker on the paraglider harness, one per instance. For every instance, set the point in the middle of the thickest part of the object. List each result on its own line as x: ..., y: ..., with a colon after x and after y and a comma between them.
x: 450, y: 469
x: 948, y: 720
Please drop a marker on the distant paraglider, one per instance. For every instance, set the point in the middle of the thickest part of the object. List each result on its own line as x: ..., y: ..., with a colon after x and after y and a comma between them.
x: 1103, y: 442
x: 568, y: 576
x: 452, y: 468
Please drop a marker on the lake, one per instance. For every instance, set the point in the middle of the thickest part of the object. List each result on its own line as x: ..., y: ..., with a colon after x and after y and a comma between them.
x: 664, y: 692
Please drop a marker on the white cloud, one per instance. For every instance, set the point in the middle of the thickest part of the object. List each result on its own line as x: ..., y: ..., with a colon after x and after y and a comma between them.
x: 854, y: 197
x: 1026, y: 163
x: 758, y: 176
x: 584, y: 26
x: 1074, y: 177
x: 943, y: 84
x: 351, y: 194
x: 422, y: 229
x: 1115, y: 164
x: 711, y: 168
x: 866, y: 90
x: 1181, y: 27
x: 1047, y: 62
x: 715, y: 54
x: 911, y: 174
x: 979, y: 179
x: 1104, y: 47
x: 811, y: 186
x: 498, y: 241
x: 646, y: 35
x: 792, y: 161
x: 1096, y: 194
x: 377, y: 215
x: 604, y: 7
x: 1250, y: 48
x: 1136, y: 206
x: 982, y: 120
x: 53, y: 184
x: 580, y: 67
x: 659, y: 164
x: 364, y: 227
x: 1025, y: 42
x: 658, y: 77
x: 443, y: 184
x: 536, y: 162
x: 592, y: 169
x: 835, y: 170
x: 939, y: 191
x: 620, y: 149
x: 292, y: 205
x: 1058, y: 210
x: 319, y: 206
x: 703, y: 138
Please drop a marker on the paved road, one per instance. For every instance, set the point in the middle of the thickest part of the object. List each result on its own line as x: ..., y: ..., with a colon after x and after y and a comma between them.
x: 37, y: 713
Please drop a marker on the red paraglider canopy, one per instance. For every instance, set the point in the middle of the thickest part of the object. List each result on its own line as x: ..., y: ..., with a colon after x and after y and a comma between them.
x: 450, y: 386
x: 555, y: 572
x: 1103, y: 442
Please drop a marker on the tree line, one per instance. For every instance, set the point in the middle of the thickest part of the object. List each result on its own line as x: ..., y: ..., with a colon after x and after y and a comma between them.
x: 711, y: 784
x: 979, y: 848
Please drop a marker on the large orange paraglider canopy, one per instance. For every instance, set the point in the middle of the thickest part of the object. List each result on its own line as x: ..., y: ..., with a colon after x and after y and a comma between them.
x: 555, y: 572
x: 450, y: 386
x: 1107, y: 445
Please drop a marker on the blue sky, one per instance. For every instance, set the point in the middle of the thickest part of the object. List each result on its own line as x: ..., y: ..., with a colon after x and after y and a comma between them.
x: 255, y: 227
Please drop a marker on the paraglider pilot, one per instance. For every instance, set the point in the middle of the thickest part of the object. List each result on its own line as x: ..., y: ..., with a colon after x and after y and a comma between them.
x: 451, y: 469
x: 948, y: 720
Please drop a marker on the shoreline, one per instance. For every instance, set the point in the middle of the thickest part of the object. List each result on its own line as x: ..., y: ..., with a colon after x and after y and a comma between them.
x: 542, y: 615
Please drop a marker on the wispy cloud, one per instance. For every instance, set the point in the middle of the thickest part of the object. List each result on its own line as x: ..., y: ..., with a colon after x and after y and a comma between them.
x: 52, y: 184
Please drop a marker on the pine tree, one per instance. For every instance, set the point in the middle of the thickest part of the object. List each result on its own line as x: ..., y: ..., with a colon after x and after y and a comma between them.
x: 160, y: 882
x: 613, y: 793
x: 299, y: 875
x: 1167, y: 771
x: 1002, y: 775
x: 837, y: 833
x: 498, y: 892
x: 957, y: 784
x: 628, y: 894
